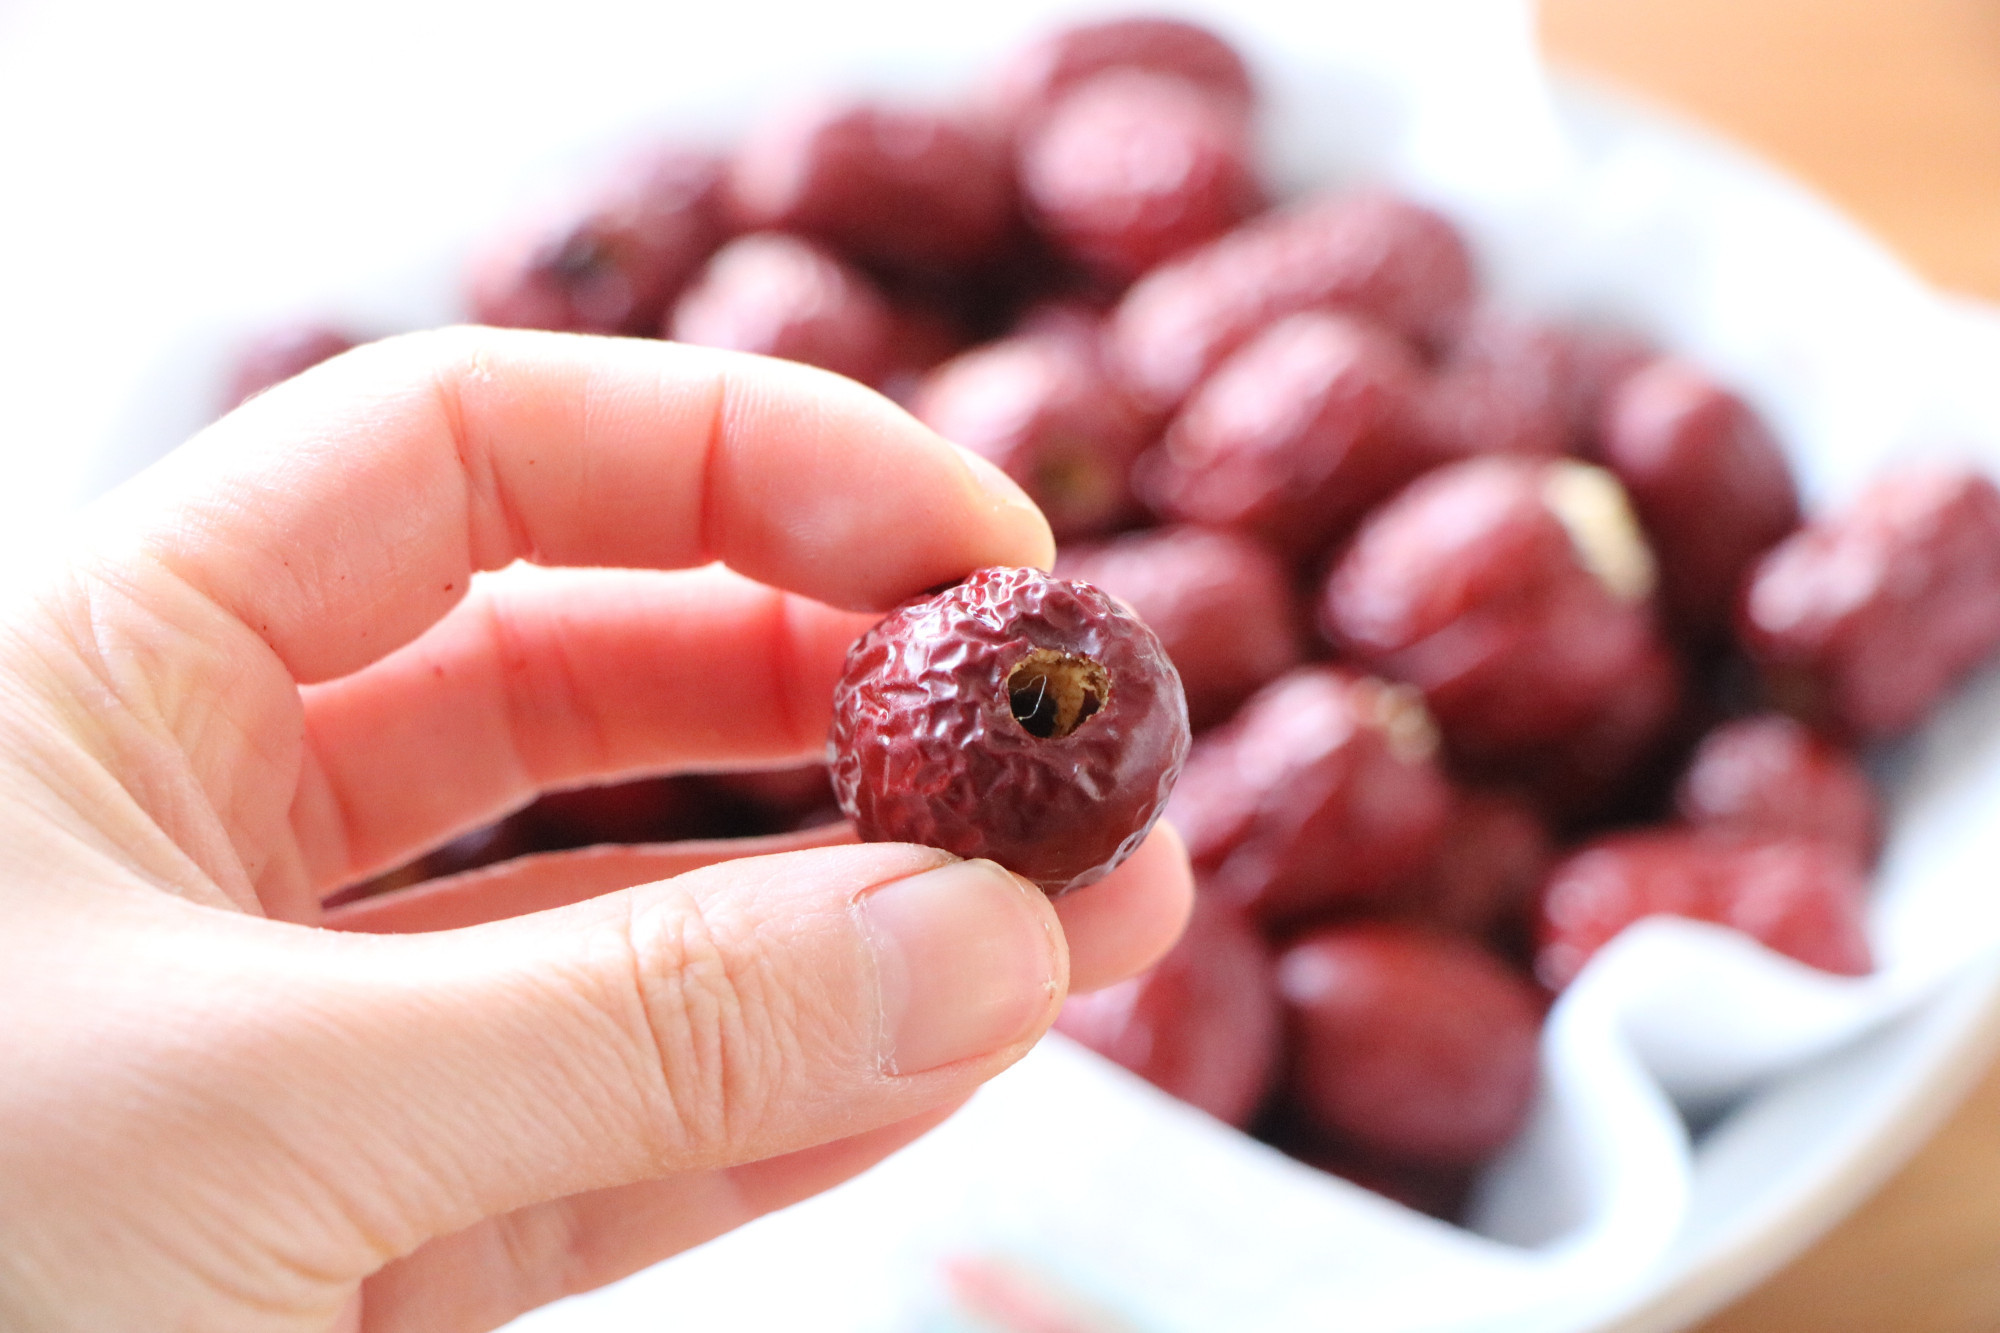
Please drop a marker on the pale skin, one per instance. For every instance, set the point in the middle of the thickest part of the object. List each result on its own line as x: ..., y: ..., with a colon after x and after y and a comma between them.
x: 266, y: 670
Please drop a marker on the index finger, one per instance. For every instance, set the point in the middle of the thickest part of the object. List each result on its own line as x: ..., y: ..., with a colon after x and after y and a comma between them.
x: 342, y: 513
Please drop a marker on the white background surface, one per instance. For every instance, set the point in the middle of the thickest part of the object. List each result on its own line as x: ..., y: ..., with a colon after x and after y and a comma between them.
x: 173, y: 177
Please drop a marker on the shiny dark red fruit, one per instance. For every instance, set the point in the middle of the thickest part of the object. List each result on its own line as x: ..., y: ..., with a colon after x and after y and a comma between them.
x: 1131, y: 168
x: 1042, y: 408
x: 611, y: 259
x: 1321, y: 793
x: 1514, y: 592
x: 1369, y: 254
x: 1293, y: 437
x: 781, y: 295
x: 1864, y: 619
x: 1799, y: 896
x: 1709, y: 483
x: 1016, y: 716
x: 1771, y: 775
x: 1410, y: 1044
x: 1484, y: 870
x: 1202, y: 1025
x: 1221, y: 602
x: 1043, y: 71
x: 903, y: 186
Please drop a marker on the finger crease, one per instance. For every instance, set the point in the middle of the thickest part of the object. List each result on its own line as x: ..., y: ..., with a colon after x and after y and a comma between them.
x: 706, y: 522
x: 519, y: 697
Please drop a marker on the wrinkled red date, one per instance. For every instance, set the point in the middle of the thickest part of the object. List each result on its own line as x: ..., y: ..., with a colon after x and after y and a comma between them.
x: 1321, y: 792
x: 1864, y: 619
x: 1221, y: 602
x: 1130, y: 168
x: 1489, y: 861
x: 1799, y: 896
x: 1514, y: 594
x: 1417, y: 1045
x: 1770, y: 776
x: 783, y: 296
x: 610, y: 261
x: 1044, y: 70
x: 1202, y: 1025
x: 1508, y: 386
x: 1294, y: 436
x: 1708, y: 481
x: 901, y: 186
x: 1372, y: 254
x: 1048, y: 415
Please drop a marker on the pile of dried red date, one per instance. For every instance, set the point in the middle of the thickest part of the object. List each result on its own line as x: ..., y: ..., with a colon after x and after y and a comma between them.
x: 1497, y: 634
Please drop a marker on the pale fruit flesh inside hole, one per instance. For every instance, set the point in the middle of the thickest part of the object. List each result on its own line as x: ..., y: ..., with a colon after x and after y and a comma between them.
x: 1051, y: 694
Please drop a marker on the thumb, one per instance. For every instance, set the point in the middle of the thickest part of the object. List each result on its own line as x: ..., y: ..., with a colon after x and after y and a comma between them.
x: 733, y: 1013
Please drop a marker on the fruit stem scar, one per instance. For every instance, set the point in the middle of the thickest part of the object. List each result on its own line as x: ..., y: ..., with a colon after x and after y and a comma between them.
x: 1051, y: 694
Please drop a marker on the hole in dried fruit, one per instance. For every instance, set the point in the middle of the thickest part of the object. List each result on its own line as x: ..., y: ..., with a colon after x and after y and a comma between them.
x: 1052, y: 694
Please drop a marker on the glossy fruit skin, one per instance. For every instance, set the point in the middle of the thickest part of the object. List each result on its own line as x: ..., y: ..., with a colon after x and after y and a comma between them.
x: 276, y: 355
x: 610, y: 260
x: 1321, y: 793
x: 1709, y: 483
x: 1863, y: 620
x: 1510, y: 386
x: 1220, y: 601
x: 1042, y: 408
x: 784, y: 296
x: 1202, y: 1024
x: 1799, y: 896
x: 1770, y: 775
x: 905, y: 187
x: 1470, y: 586
x: 1488, y: 864
x: 925, y: 746
x: 1369, y: 254
x: 1130, y: 169
x: 1040, y: 73
x: 1407, y: 1043
x: 1293, y: 437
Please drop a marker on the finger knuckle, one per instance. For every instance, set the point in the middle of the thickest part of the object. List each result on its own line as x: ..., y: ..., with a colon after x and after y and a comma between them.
x: 713, y: 1027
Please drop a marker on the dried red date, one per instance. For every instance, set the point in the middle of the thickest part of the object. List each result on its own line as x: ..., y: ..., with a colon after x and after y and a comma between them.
x: 1220, y: 601
x: 1799, y: 896
x: 611, y: 261
x: 277, y: 355
x: 1203, y: 1025
x: 783, y: 296
x: 1321, y: 792
x: 1131, y: 168
x: 1771, y: 776
x: 1294, y: 436
x: 1487, y: 865
x: 1041, y: 72
x: 1411, y: 1044
x: 1864, y: 619
x: 1512, y: 592
x: 1014, y: 716
x: 1050, y: 418
x: 1708, y: 481
x: 1371, y: 254
x: 901, y: 186
x: 1508, y: 386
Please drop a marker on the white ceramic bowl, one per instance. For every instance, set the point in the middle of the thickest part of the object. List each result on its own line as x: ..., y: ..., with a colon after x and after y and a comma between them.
x: 212, y: 169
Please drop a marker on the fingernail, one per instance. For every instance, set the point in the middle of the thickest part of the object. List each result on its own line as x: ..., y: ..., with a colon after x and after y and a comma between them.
x: 1008, y: 497
x: 967, y: 960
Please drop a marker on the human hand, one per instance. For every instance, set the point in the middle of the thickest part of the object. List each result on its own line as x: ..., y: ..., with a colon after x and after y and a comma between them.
x: 266, y: 670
